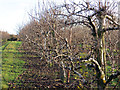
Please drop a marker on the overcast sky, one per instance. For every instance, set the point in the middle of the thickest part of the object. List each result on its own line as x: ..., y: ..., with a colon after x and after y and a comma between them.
x: 13, y: 13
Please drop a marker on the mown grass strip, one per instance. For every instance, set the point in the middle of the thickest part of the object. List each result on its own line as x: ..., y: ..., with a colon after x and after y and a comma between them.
x: 12, y: 66
x: 5, y: 45
x: 0, y: 69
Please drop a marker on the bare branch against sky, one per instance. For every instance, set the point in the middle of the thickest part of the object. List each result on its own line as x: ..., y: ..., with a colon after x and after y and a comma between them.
x: 15, y: 12
x: 119, y: 10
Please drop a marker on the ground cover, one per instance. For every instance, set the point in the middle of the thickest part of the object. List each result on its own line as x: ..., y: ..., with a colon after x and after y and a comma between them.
x: 12, y: 66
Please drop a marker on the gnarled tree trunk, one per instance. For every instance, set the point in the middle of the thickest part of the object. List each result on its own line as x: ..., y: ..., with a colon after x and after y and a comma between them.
x: 100, y: 55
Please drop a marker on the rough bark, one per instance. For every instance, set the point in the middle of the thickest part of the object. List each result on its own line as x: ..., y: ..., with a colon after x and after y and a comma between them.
x: 101, y: 54
x: 119, y: 33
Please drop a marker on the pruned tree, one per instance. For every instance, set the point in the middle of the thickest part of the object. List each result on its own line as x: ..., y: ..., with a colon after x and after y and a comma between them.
x: 56, y: 34
x: 94, y: 16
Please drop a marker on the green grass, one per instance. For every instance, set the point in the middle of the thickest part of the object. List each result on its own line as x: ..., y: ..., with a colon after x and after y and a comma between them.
x: 12, y: 66
x: 5, y: 45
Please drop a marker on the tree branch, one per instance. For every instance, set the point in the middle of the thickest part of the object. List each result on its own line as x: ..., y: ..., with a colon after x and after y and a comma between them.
x: 92, y: 25
x: 72, y: 68
x: 113, y: 76
x: 108, y: 17
x: 111, y: 29
x: 78, y: 22
x: 81, y: 77
x: 98, y: 68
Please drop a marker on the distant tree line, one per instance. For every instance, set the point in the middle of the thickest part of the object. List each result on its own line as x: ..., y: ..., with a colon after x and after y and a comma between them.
x: 5, y: 36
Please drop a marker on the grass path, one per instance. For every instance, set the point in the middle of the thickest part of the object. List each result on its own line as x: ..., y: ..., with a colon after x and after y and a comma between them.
x: 12, y: 66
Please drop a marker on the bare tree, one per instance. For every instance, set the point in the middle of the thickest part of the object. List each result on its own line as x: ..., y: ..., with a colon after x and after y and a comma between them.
x: 94, y: 16
x: 119, y: 31
x: 55, y: 35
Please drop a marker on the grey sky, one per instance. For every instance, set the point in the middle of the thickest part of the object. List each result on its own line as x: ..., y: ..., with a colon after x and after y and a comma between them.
x: 13, y: 13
